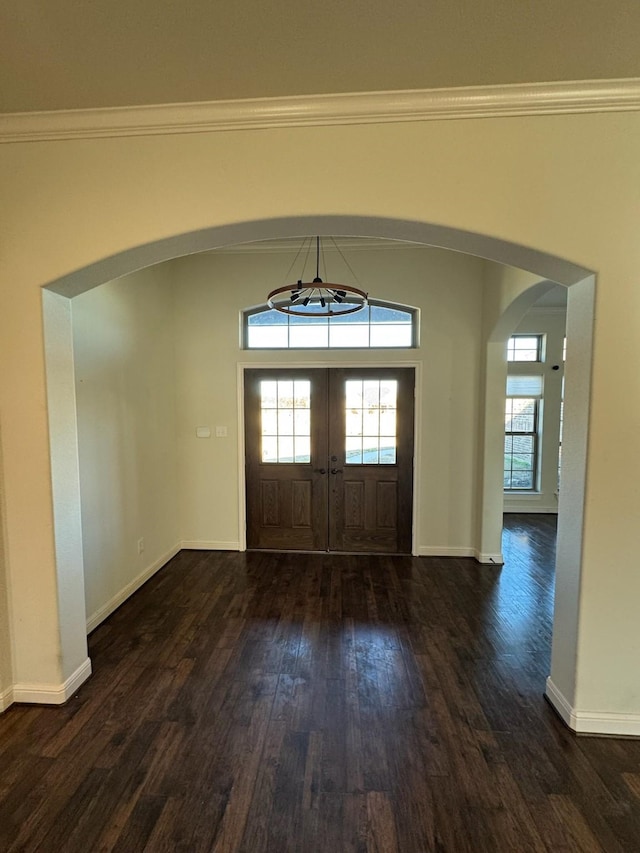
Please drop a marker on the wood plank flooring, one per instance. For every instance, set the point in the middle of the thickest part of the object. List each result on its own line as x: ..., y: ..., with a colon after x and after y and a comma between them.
x: 321, y: 704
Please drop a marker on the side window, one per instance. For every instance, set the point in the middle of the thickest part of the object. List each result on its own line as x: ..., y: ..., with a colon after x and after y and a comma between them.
x: 521, y: 432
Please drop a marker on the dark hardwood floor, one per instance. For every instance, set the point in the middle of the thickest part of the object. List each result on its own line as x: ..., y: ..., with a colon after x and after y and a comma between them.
x: 322, y: 704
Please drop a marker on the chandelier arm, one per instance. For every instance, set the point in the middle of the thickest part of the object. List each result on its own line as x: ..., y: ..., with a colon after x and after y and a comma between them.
x: 310, y: 289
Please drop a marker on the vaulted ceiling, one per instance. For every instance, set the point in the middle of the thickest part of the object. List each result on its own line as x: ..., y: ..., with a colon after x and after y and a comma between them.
x: 71, y: 54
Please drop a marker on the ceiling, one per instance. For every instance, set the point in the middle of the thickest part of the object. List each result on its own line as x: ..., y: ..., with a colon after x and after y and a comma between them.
x: 74, y: 54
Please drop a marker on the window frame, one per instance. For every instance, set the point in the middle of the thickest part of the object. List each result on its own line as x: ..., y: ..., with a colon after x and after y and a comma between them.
x: 414, y: 314
x: 535, y: 435
x: 539, y: 349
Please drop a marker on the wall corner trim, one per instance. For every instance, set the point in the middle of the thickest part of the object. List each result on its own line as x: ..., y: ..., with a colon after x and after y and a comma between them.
x: 515, y: 99
x: 592, y: 722
x: 52, y: 694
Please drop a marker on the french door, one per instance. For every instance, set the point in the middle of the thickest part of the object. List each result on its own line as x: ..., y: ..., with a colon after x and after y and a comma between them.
x: 329, y: 459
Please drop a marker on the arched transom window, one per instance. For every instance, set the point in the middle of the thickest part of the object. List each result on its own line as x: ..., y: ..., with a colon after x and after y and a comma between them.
x: 378, y: 325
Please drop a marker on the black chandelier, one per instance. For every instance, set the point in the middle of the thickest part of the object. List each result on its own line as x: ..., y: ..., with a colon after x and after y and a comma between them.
x: 317, y: 298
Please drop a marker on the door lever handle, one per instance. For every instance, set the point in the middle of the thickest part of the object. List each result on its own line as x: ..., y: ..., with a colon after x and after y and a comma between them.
x: 319, y: 470
x: 336, y: 470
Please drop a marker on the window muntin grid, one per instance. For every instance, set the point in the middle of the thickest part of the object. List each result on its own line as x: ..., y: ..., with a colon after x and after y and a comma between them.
x: 285, y: 410
x: 379, y: 325
x: 371, y: 407
x: 524, y: 348
x: 520, y: 443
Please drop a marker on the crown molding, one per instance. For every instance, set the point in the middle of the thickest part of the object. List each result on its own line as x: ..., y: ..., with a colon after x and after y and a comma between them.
x: 530, y: 99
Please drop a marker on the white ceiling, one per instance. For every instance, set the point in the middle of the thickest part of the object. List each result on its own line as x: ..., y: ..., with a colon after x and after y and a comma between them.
x: 70, y: 54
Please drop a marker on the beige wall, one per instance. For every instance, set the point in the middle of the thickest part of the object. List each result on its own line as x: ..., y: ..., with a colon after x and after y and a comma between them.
x: 211, y: 291
x: 6, y: 675
x: 156, y: 356
x: 565, y: 185
x: 125, y: 392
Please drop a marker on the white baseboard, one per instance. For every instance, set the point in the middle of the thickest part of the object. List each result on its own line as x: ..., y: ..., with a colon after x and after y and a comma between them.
x: 107, y: 609
x: 52, y: 694
x: 206, y: 545
x: 592, y: 722
x: 529, y: 509
x: 490, y: 559
x: 444, y: 551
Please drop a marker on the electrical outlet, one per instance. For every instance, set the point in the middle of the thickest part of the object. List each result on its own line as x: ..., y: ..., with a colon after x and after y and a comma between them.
x: 140, y: 546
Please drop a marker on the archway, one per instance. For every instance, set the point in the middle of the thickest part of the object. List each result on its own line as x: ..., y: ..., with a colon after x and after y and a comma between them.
x: 60, y: 366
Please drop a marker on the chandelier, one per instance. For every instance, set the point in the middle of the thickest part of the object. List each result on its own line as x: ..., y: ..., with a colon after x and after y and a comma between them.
x: 317, y: 298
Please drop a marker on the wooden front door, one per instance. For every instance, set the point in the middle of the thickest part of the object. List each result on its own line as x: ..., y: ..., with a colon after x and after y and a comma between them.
x: 329, y: 459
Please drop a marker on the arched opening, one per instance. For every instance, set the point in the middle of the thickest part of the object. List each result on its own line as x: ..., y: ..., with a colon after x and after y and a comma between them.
x: 509, y: 300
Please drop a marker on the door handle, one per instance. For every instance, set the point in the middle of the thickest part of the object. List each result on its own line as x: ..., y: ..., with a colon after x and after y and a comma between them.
x: 336, y: 470
x: 319, y: 470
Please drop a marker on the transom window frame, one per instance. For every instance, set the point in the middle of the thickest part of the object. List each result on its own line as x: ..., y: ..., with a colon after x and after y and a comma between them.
x: 346, y: 320
x: 514, y: 350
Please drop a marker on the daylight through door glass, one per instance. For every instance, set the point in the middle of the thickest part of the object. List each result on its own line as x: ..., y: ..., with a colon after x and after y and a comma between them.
x: 285, y: 407
x: 371, y: 408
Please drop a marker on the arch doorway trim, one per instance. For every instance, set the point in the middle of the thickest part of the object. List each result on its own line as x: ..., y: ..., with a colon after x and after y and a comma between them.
x: 62, y: 404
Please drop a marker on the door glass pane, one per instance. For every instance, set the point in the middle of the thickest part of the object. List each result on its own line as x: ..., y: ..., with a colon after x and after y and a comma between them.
x: 269, y: 448
x: 302, y: 392
x: 389, y: 393
x: 285, y: 394
x: 269, y: 421
x: 303, y: 448
x: 285, y: 448
x: 269, y: 395
x: 354, y: 421
x: 286, y: 421
x: 353, y: 393
x: 302, y: 422
x: 387, y: 450
x: 388, y: 422
x: 371, y: 422
x: 353, y: 451
x: 371, y: 392
x: 370, y: 454
x: 371, y: 406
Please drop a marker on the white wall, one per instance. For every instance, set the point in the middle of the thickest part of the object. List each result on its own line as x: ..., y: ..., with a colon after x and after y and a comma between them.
x: 551, y: 323
x: 211, y: 291
x: 124, y: 358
